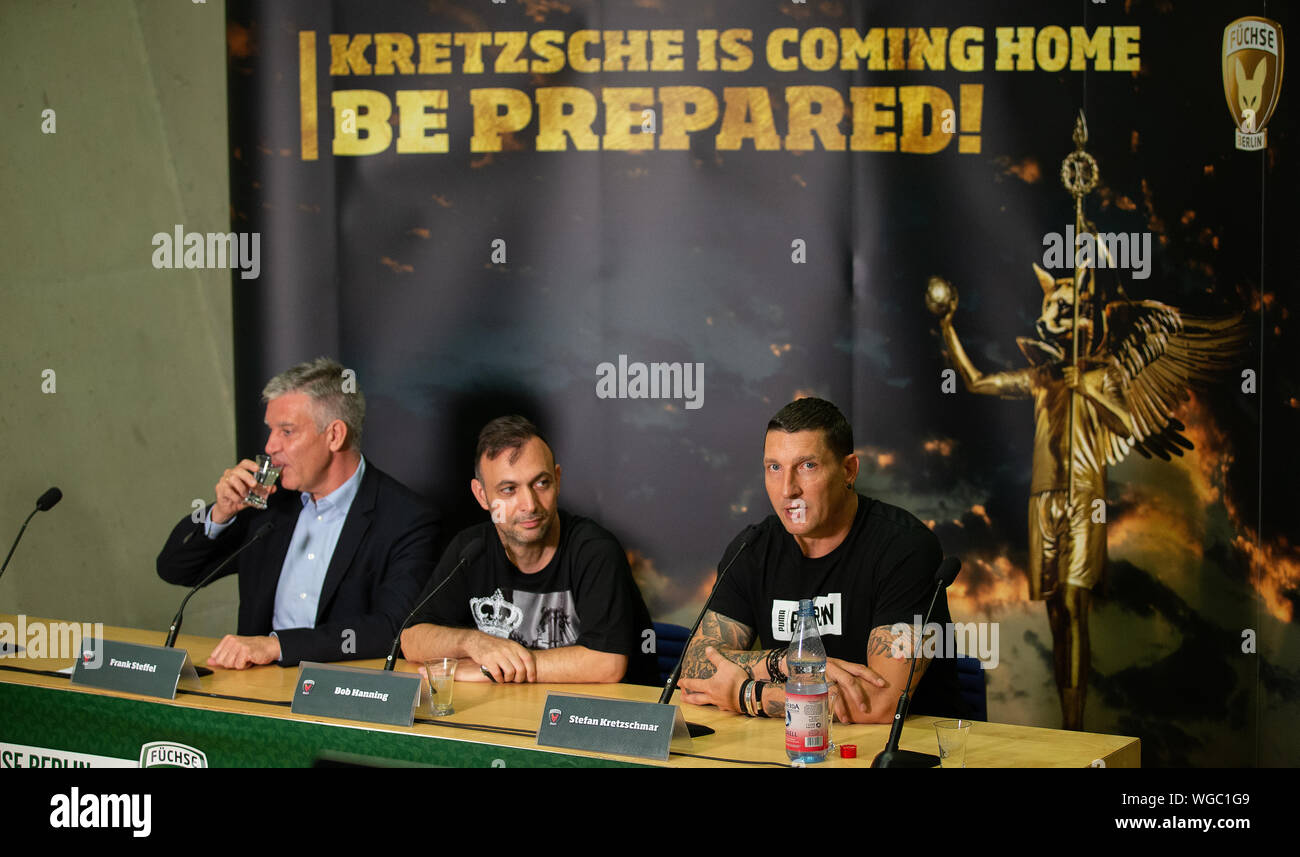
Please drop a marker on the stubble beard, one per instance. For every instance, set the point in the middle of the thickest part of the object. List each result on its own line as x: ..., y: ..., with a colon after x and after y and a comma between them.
x: 529, y: 539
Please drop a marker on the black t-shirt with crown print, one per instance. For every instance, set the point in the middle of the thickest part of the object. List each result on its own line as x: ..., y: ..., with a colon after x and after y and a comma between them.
x: 585, y: 596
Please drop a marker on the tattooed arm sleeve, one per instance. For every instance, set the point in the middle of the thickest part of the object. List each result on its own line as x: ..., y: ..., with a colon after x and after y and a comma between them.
x: 732, y: 639
x: 889, y: 652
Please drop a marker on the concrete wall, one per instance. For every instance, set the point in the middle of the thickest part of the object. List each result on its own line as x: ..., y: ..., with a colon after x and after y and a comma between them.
x: 140, y: 419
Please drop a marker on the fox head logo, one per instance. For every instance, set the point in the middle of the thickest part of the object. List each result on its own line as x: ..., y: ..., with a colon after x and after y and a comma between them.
x: 1056, y: 322
x: 1252, y: 60
x: 1250, y: 91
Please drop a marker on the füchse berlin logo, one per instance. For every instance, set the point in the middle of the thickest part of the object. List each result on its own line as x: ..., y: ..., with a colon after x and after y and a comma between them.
x: 307, y: 686
x: 554, y: 715
x: 1252, y: 77
x: 168, y: 754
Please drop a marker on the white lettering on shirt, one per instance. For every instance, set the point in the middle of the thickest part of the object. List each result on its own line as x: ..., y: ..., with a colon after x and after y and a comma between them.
x: 829, y: 610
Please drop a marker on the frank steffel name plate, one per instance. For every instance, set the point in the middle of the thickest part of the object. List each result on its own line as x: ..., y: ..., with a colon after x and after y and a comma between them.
x: 133, y: 668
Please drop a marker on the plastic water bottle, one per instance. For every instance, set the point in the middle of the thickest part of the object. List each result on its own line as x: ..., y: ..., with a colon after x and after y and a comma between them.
x: 807, y: 714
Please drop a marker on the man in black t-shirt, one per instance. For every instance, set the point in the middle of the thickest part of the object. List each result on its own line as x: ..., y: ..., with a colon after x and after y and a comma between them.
x: 550, y: 598
x: 869, y: 566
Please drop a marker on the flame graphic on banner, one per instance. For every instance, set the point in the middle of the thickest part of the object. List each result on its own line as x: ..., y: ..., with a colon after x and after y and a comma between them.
x: 987, y: 584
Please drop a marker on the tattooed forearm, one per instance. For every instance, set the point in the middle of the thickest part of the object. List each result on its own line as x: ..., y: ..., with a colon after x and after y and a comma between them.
x: 774, y: 700
x: 885, y: 642
x: 695, y: 664
x: 881, y: 642
x: 729, y: 637
x: 748, y: 660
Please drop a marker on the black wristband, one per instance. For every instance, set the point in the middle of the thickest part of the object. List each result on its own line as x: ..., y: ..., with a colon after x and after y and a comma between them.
x: 744, y: 687
x: 758, y: 696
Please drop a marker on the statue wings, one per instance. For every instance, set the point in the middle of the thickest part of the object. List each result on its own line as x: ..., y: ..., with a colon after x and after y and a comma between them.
x: 1152, y: 355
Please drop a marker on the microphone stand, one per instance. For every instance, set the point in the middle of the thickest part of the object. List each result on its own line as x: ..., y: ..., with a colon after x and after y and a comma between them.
x: 469, y: 554
x: 14, y: 547
x: 175, y: 628
x: 698, y: 729
x: 891, y: 756
x: 44, y: 503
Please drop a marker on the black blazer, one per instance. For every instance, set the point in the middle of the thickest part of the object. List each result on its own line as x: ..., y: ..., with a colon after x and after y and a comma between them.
x: 383, y: 559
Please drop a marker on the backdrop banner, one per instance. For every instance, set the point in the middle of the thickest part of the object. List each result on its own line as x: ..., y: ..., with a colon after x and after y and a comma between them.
x: 649, y: 225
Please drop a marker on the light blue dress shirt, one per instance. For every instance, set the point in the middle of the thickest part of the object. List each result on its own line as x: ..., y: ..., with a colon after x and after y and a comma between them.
x: 314, y: 537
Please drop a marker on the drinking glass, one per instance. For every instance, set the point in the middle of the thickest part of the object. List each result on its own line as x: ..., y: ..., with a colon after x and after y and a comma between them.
x: 267, y: 473
x: 441, y: 674
x: 952, y: 735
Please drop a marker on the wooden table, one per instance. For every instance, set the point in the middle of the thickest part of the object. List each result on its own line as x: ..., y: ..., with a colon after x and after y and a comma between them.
x: 242, y: 718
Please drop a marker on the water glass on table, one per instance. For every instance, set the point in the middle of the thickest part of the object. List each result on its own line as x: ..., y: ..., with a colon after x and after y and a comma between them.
x: 441, y: 675
x: 952, y: 735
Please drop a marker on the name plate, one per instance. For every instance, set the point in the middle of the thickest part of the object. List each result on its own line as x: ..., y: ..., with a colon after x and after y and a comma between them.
x: 352, y: 693
x: 133, y: 667
x: 619, y: 726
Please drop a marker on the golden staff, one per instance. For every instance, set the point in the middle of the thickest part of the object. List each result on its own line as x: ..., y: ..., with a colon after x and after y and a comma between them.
x: 1079, y: 174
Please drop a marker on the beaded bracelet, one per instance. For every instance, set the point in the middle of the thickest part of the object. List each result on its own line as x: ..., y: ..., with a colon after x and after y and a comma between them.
x: 774, y: 665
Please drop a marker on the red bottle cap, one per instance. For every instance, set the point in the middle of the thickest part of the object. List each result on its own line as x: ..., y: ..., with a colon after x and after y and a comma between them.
x: 848, y: 751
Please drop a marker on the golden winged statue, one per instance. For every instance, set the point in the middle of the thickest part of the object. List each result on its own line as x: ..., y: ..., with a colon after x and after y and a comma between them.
x: 1103, y: 387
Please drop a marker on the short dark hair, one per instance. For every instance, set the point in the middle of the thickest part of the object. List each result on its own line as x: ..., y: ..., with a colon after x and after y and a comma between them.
x: 504, y: 433
x: 812, y: 413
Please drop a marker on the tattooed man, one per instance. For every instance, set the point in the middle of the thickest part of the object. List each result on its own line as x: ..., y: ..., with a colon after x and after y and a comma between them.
x: 868, y: 565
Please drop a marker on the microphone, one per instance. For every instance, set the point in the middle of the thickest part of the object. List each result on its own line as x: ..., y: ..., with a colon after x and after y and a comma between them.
x: 698, y: 729
x: 467, y: 555
x: 891, y: 756
x: 176, y: 622
x: 47, y: 501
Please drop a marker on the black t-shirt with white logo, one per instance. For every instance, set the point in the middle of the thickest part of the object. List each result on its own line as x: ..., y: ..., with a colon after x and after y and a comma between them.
x: 881, y: 574
x: 585, y: 596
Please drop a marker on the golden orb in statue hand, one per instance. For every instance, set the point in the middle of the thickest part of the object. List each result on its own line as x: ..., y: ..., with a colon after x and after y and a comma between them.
x: 940, y: 297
